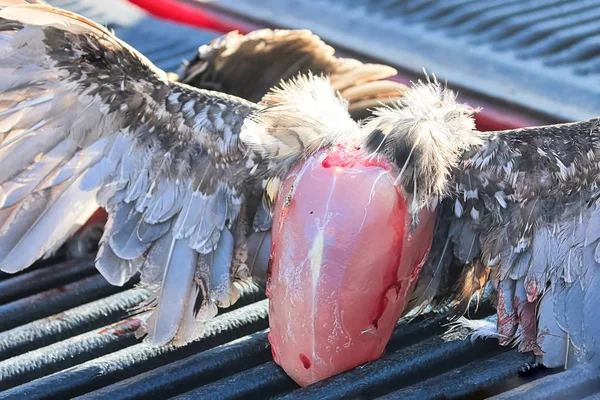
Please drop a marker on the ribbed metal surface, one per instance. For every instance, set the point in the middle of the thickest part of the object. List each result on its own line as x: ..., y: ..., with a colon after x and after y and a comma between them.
x: 66, y: 333
x: 540, y: 54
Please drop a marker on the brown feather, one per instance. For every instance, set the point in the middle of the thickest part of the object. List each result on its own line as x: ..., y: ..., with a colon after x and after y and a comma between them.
x: 249, y: 66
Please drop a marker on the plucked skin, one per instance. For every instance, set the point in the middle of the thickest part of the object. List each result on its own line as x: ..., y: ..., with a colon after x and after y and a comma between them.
x: 87, y: 121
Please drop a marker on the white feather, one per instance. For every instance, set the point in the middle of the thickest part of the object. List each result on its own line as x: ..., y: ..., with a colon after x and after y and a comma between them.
x: 304, y: 109
x: 435, y: 127
x: 475, y: 328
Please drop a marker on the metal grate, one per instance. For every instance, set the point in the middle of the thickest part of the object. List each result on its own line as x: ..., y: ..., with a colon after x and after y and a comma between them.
x: 539, y: 54
x: 64, y: 331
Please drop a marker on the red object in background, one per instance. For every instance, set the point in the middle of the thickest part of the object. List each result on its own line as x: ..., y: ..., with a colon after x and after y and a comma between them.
x: 343, y: 263
x: 187, y: 14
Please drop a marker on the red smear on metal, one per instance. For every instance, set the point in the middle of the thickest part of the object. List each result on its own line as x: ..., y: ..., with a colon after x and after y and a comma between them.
x: 344, y: 262
x: 122, y: 328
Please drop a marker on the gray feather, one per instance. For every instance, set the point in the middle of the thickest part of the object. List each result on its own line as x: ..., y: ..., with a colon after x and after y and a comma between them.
x: 207, y: 233
x: 193, y: 204
x: 205, y: 241
x: 575, y: 318
x: 152, y: 270
x: 192, y: 327
x: 520, y: 299
x: 592, y: 232
x: 591, y: 305
x: 597, y: 253
x: 179, y: 266
x: 117, y: 151
x: 20, y: 219
x: 97, y: 175
x: 262, y: 219
x: 139, y: 186
x: 199, y: 208
x: 220, y: 267
x: 80, y: 164
x: 223, y: 211
x: 165, y: 203
x: 115, y: 270
x: 551, y: 338
x: 543, y: 241
x: 467, y: 247
x: 150, y: 232
x: 259, y: 253
x: 125, y: 241
x: 520, y: 265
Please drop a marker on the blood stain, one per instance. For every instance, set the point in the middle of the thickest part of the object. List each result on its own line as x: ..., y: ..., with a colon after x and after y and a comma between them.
x: 305, y: 361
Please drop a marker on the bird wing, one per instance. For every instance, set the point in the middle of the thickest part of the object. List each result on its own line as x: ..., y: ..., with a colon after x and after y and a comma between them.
x: 250, y: 65
x: 518, y: 208
x: 85, y: 120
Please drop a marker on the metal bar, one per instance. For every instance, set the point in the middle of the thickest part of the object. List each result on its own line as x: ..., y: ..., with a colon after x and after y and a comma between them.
x: 196, y: 370
x: 55, y: 300
x: 139, y: 358
x: 269, y: 380
x: 31, y: 282
x: 68, y: 323
x: 76, y: 350
x: 574, y: 383
x: 472, y: 379
x: 37, y: 265
x: 264, y: 381
x: 398, y: 369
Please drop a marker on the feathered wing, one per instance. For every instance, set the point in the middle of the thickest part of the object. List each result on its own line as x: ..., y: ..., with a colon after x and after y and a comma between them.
x: 528, y: 201
x: 517, y: 208
x: 250, y: 65
x: 85, y: 120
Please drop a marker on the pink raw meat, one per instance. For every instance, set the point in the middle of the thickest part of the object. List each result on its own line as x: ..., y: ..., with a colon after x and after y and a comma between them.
x: 343, y: 263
